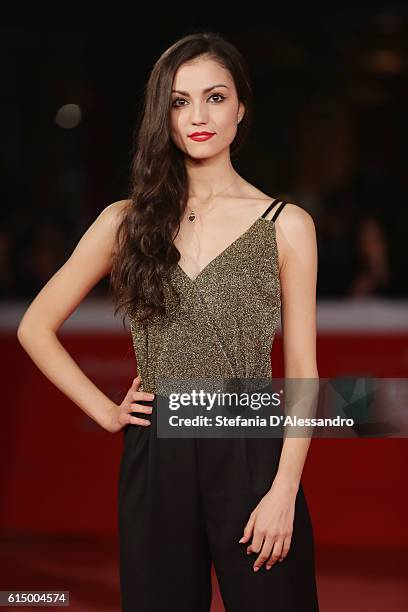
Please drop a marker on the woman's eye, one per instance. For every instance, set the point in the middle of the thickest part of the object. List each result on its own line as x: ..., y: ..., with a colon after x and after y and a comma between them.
x: 176, y: 100
x: 218, y: 95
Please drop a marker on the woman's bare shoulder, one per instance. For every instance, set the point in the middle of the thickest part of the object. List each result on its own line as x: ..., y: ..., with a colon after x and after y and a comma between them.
x: 293, y: 218
x: 114, y: 212
x: 296, y: 234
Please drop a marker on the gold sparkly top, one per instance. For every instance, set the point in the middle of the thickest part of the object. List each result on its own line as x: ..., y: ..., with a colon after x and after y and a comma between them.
x: 225, y: 324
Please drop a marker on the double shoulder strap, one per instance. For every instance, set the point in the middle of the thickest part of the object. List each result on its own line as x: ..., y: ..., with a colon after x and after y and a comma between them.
x: 277, y: 212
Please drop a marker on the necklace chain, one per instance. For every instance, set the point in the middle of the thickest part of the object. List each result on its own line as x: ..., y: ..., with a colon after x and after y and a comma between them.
x: 192, y: 216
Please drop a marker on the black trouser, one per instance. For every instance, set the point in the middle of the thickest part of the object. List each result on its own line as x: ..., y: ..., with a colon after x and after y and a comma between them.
x: 185, y: 502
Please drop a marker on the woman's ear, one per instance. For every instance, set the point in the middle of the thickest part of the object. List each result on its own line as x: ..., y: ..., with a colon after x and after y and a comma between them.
x: 241, y: 112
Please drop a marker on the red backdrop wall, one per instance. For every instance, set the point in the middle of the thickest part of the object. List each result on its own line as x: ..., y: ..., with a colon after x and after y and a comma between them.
x: 59, y: 470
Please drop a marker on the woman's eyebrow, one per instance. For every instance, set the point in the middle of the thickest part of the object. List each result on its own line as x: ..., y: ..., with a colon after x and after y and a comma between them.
x: 206, y: 90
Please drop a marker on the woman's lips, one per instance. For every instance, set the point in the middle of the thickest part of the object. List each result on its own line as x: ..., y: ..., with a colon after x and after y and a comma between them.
x: 201, y: 137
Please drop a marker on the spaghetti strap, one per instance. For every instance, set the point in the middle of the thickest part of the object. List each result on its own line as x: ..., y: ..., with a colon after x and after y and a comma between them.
x: 271, y: 205
x: 277, y: 212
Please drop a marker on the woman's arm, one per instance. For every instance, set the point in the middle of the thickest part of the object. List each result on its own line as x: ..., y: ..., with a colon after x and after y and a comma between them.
x: 297, y: 246
x: 90, y: 261
x: 270, y: 524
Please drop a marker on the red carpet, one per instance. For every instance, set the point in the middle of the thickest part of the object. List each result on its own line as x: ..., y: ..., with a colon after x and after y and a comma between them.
x: 352, y: 580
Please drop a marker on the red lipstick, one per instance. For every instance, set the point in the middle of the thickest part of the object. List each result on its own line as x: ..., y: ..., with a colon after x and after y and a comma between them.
x: 200, y: 136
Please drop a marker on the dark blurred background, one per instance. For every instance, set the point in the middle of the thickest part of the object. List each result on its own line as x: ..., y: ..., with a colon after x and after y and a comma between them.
x: 330, y: 128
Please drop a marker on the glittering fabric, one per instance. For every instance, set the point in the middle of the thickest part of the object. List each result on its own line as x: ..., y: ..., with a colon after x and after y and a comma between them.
x: 225, y: 324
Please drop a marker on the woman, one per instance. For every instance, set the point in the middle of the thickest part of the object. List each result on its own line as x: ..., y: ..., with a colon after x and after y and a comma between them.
x: 202, y: 265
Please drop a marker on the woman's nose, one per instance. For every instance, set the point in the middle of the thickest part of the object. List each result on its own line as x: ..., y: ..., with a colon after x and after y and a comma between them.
x: 199, y: 114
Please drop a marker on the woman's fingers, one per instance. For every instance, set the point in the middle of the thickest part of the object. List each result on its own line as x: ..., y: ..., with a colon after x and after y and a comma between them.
x: 129, y: 405
x: 264, y: 553
x: 256, y: 543
x: 136, y: 383
x: 271, y: 549
x: 143, y: 395
x: 286, y: 547
x: 138, y: 421
x: 276, y: 553
x: 248, y: 529
x: 133, y: 387
x: 139, y: 396
x: 140, y: 408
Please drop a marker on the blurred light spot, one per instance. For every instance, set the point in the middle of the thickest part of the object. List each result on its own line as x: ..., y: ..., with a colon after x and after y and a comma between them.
x: 387, y: 62
x: 68, y: 116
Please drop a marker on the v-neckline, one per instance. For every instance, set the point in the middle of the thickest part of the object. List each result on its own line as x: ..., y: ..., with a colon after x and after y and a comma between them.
x: 225, y: 251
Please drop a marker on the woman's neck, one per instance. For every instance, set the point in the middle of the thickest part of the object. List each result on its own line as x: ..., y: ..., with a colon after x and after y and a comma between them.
x: 209, y: 178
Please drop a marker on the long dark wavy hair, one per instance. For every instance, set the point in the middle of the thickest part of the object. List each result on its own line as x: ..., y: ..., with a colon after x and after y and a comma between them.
x: 158, y: 191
